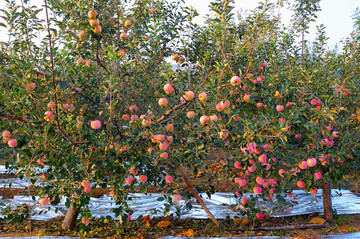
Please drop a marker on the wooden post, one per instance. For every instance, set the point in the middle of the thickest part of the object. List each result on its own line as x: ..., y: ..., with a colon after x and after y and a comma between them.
x: 198, y: 199
x: 328, y: 211
x: 70, y: 218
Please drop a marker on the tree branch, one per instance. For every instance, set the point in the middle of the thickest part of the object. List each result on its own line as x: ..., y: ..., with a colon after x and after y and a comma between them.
x: 12, y: 117
x: 53, y: 79
x: 98, y: 59
x: 118, y: 129
x: 196, y: 195
x: 167, y: 113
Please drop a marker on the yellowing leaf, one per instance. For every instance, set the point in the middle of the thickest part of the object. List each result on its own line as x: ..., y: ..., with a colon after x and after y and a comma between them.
x: 145, y: 218
x: 164, y: 224
x: 317, y: 220
x: 330, y: 117
x: 245, y: 221
x: 190, y: 233
x: 237, y: 220
x: 357, y: 115
x: 354, y: 116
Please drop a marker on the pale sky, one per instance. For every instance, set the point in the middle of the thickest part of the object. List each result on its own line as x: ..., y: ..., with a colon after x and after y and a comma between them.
x: 335, y: 15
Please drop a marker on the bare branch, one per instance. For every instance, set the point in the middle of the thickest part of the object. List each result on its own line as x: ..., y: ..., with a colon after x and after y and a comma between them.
x: 12, y: 117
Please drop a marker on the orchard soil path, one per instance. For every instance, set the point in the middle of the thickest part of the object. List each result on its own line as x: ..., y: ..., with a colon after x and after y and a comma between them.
x: 142, y: 229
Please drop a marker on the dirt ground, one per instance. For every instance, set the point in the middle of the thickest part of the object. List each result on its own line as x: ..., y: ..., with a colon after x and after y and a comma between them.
x: 143, y: 228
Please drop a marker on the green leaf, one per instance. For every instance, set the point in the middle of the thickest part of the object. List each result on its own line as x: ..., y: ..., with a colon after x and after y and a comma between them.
x: 63, y: 85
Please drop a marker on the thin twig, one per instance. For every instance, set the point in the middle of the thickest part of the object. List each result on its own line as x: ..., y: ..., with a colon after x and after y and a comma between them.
x: 14, y: 117
x: 53, y: 79
x: 98, y: 59
x: 118, y: 128
x: 167, y: 113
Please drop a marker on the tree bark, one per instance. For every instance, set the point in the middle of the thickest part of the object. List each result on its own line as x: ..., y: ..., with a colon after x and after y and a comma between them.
x: 70, y: 218
x: 196, y: 195
x: 328, y: 211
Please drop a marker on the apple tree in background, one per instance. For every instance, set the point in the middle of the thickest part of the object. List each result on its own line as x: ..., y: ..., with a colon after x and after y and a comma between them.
x: 95, y: 103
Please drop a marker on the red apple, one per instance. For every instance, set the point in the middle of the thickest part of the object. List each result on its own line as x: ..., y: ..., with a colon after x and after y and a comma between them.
x: 280, y: 108
x: 259, y: 215
x: 257, y: 190
x: 12, y: 143
x: 235, y: 81
x: 97, y: 29
x: 175, y: 57
x: 96, y: 124
x: 176, y: 197
x: 168, y: 89
x: 163, y: 102
x: 202, y: 97
x: 190, y: 114
x: 247, y: 98
x: 92, y: 14
x: 49, y: 116
x: 300, y: 184
x: 94, y: 22
x: 44, y: 201
x: 142, y: 178
x: 85, y: 221
x: 31, y: 86
x: 213, y: 118
x: 122, y: 53
x: 169, y: 179
x: 127, y: 23
x: 204, y: 119
x: 189, y: 95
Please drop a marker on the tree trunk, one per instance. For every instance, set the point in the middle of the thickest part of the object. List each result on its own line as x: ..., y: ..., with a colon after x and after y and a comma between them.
x: 328, y: 211
x: 70, y: 218
x: 196, y: 195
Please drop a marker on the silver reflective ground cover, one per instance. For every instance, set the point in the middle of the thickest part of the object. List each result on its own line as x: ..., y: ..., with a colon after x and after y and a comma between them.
x: 219, y: 205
